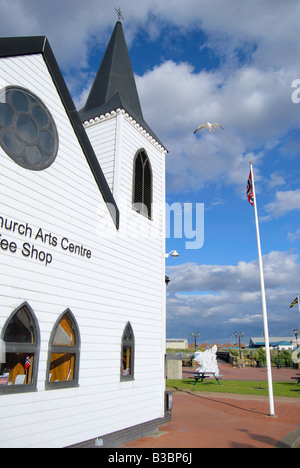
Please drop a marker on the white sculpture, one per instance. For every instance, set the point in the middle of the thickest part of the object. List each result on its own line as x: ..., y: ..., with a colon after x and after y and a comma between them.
x: 208, y: 361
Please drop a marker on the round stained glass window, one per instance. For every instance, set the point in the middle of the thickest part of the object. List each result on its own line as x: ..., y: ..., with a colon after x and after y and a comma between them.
x: 28, y: 133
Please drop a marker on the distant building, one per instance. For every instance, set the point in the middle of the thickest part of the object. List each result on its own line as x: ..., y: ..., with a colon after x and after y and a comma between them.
x: 176, y: 343
x: 283, y: 342
x: 204, y: 346
x: 228, y: 346
x: 218, y: 345
x: 237, y: 346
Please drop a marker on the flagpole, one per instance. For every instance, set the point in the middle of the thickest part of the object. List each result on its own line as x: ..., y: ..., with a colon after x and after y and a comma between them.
x: 298, y: 303
x: 264, y: 305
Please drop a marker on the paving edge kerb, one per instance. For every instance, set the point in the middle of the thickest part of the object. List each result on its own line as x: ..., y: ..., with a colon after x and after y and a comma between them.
x: 291, y: 440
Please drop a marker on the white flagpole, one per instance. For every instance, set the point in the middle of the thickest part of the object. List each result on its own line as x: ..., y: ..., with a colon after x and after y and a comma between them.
x: 298, y: 303
x: 264, y: 305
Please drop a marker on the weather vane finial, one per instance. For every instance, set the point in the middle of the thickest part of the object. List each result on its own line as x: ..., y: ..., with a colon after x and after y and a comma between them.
x: 119, y: 13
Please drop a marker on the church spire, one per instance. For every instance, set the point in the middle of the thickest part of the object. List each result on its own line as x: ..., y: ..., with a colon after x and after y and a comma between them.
x: 114, y: 85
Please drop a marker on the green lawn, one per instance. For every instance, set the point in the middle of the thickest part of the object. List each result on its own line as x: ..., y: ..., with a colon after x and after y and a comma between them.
x: 242, y: 387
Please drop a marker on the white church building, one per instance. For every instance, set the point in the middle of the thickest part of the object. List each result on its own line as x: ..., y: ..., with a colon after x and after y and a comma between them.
x: 82, y: 254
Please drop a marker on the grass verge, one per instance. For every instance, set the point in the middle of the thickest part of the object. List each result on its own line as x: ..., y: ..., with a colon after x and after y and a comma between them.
x: 240, y: 387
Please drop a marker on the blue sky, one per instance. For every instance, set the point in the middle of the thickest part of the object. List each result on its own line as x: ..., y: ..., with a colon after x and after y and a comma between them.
x: 230, y: 62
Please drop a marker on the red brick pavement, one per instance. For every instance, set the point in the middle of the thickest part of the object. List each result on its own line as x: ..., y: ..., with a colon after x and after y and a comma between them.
x: 205, y: 420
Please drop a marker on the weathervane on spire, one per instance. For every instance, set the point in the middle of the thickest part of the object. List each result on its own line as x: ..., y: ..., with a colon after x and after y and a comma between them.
x: 119, y: 13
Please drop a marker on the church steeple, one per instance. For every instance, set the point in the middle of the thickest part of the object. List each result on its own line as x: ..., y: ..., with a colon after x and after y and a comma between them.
x: 114, y: 85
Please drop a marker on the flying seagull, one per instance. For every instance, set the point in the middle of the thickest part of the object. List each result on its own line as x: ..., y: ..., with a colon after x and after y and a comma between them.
x: 209, y: 126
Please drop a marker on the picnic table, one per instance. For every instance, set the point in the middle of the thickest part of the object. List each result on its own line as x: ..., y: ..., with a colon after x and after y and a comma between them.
x: 296, y: 378
x: 204, y: 375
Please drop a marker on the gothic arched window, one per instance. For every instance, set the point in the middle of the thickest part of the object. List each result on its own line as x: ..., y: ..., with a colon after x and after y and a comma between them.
x: 142, y: 184
x: 63, y: 360
x: 127, y: 354
x: 21, y: 340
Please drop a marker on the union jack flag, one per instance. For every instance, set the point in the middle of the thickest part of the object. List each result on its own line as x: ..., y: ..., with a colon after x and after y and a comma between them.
x: 249, y: 190
x: 27, y: 363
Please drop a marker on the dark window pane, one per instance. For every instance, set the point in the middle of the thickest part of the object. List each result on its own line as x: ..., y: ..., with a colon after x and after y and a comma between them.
x: 33, y: 155
x: 142, y: 185
x: 40, y: 115
x: 46, y: 141
x: 19, y: 101
x: 26, y: 128
x: 13, y: 145
x: 6, y: 114
x: 20, y: 329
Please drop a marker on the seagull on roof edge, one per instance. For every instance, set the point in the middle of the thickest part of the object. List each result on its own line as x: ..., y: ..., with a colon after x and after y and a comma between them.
x: 209, y: 126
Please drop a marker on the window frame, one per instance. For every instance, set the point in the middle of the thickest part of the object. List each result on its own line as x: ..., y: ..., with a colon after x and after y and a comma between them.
x: 140, y: 206
x: 131, y: 343
x: 24, y: 348
x: 33, y: 142
x: 64, y: 349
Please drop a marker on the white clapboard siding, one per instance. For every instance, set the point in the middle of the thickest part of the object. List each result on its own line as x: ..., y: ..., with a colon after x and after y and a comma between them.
x: 122, y: 281
x: 103, y: 139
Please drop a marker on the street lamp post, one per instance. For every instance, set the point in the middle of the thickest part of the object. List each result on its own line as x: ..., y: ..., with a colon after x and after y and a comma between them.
x: 242, y: 334
x: 278, y: 356
x: 195, y: 335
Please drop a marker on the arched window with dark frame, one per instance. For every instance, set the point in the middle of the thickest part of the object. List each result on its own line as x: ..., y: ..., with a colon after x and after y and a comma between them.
x: 127, y: 354
x: 64, y: 350
x: 142, y: 184
x: 20, y: 338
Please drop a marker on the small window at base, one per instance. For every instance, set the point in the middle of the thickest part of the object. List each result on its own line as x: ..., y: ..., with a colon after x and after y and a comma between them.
x: 63, y: 360
x: 127, y: 354
x: 19, y: 354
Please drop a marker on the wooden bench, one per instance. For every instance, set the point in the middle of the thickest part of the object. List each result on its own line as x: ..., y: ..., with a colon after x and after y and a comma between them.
x: 296, y: 378
x: 204, y: 375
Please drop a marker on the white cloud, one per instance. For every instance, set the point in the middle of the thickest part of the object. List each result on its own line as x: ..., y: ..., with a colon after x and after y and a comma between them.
x: 285, y: 201
x: 279, y: 271
x: 293, y: 236
x: 221, y: 297
x: 246, y: 320
x: 276, y: 179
